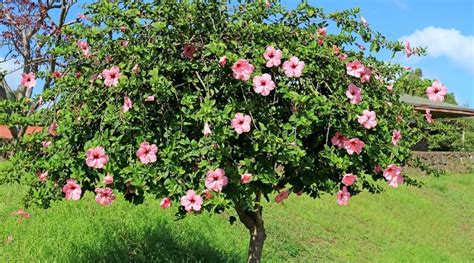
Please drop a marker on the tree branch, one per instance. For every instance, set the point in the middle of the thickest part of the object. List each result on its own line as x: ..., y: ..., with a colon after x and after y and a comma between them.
x: 62, y: 18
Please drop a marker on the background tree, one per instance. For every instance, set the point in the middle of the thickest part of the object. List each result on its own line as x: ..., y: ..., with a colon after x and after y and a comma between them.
x: 216, y: 107
x: 28, y: 29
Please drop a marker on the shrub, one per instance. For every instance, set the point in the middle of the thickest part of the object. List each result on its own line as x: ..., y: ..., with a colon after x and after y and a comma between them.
x: 214, y: 107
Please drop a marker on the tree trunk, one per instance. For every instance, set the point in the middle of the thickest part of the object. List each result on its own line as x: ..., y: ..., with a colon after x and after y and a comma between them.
x: 254, y: 223
x: 257, y: 239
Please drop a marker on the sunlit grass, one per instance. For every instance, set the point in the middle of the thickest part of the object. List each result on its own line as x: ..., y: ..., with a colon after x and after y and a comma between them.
x: 429, y: 224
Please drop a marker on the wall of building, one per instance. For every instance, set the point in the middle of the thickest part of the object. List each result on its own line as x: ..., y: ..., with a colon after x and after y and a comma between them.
x: 451, y: 162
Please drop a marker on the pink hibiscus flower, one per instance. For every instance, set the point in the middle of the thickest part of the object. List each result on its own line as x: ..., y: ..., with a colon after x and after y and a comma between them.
x: 241, y: 123
x: 52, y: 129
x: 336, y: 49
x: 242, y: 69
x: 343, y: 196
x: 96, y: 158
x: 267, y: 4
x: 165, y: 202
x: 191, y: 201
x: 150, y: 98
x: 437, y: 91
x: 95, y: 77
x: 368, y: 119
x: 273, y: 57
x: 353, y: 94
x: 391, y: 171
x: 42, y: 176
x: 408, y: 50
x: 282, y: 196
x: 207, y: 131
x: 365, y: 75
x: 46, y: 144
x: 108, y: 179
x: 293, y: 67
x: 377, y: 168
x: 395, y: 181
x: 84, y: 47
x: 322, y: 32
x: 135, y: 69
x: 22, y: 213
x: 390, y: 87
x: 56, y: 74
x: 349, y: 179
x: 245, y: 178
x: 393, y: 175
x: 342, y: 56
x: 223, y: 61
x: 28, y: 80
x: 207, y: 194
x: 216, y: 180
x: 147, y: 152
x: 127, y: 104
x: 111, y: 77
x: 354, y: 145
x: 189, y: 50
x: 428, y: 116
x: 355, y: 68
x: 338, y: 140
x: 396, y: 136
x: 263, y: 84
x: 105, y: 196
x: 72, y: 190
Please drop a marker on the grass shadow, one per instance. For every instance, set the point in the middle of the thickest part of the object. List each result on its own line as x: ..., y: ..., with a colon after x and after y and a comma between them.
x: 158, y: 244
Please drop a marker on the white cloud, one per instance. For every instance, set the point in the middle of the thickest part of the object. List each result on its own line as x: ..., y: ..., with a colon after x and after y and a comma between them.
x: 13, y: 79
x: 449, y: 43
x: 400, y: 4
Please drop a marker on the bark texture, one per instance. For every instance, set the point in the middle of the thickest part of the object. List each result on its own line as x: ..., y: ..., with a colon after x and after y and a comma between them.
x: 254, y: 223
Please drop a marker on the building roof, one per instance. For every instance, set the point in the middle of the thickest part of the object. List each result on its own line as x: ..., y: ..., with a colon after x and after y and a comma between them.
x: 6, y: 134
x: 438, y: 109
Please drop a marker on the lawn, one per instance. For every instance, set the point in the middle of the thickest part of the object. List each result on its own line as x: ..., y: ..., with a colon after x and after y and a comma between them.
x: 430, y: 224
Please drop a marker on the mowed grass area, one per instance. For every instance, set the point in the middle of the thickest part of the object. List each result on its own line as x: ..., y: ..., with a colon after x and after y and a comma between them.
x: 434, y: 223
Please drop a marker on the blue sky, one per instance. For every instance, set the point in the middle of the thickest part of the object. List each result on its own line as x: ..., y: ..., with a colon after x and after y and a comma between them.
x: 445, y: 27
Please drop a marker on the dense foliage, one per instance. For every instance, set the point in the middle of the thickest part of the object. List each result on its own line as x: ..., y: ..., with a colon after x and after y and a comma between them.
x: 211, y: 107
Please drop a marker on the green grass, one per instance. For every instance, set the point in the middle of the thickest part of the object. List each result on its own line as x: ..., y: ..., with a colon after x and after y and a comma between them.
x: 430, y: 224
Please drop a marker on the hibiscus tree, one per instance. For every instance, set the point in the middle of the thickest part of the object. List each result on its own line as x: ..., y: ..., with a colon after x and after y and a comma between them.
x: 212, y: 107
